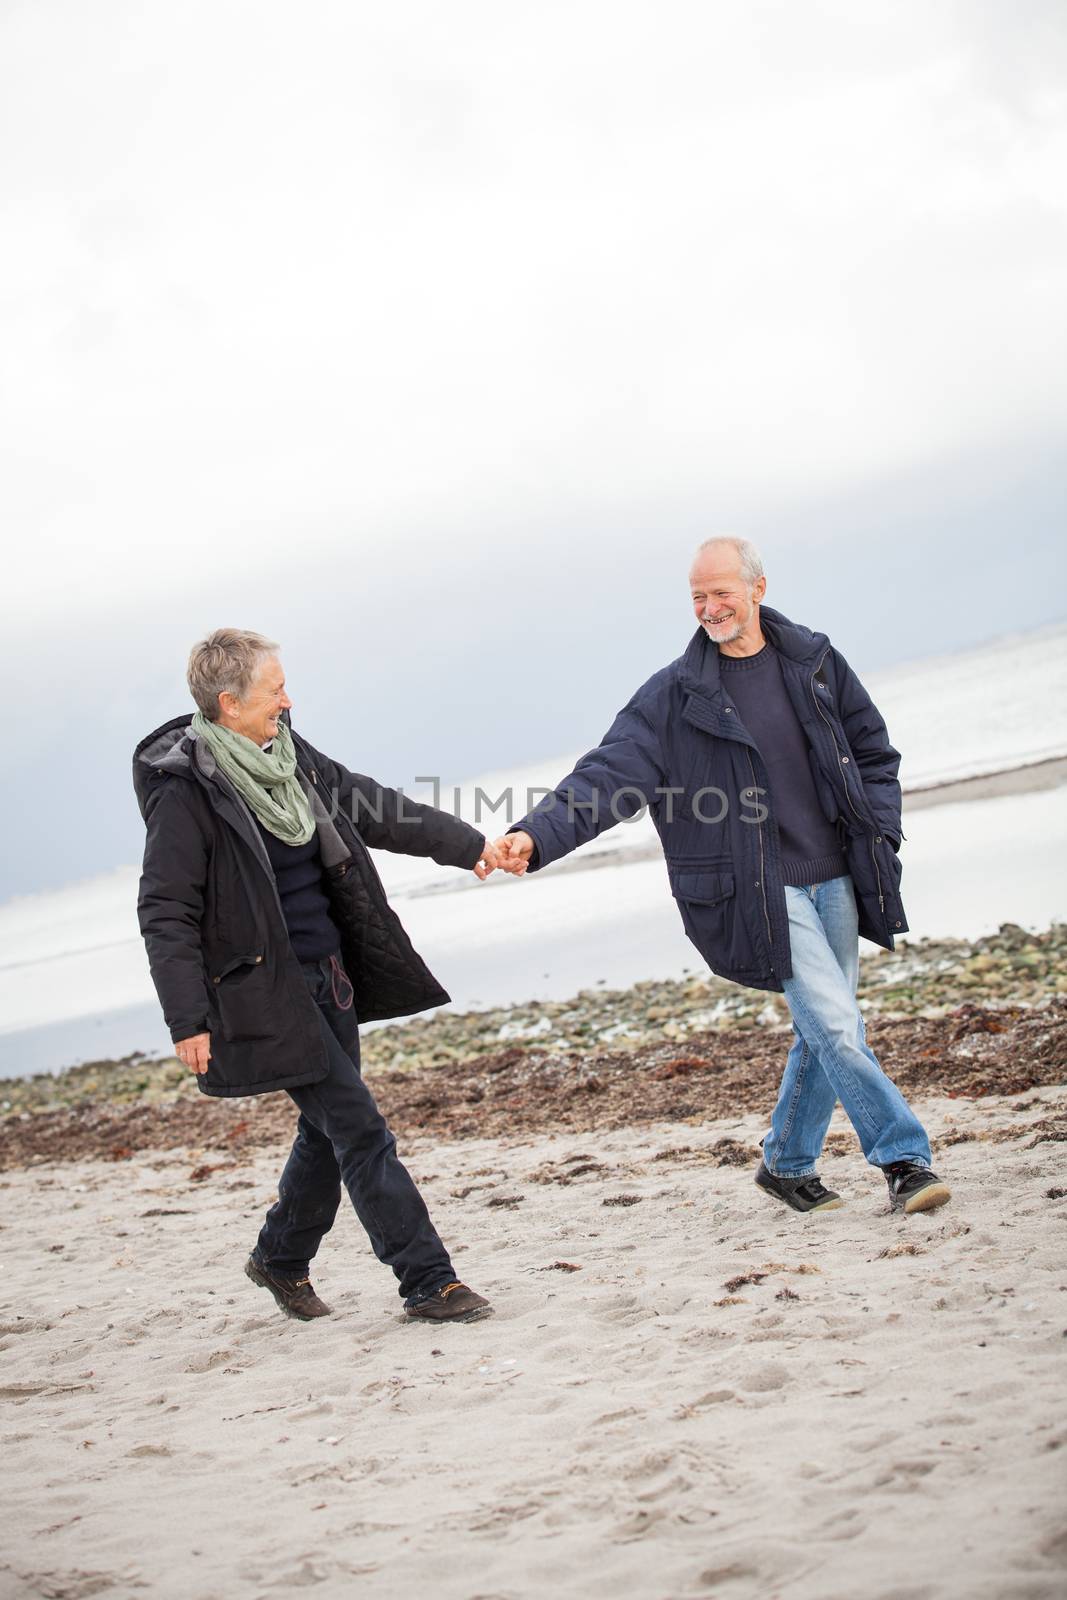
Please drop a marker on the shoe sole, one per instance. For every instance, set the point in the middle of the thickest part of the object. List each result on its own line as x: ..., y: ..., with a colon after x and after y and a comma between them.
x: 262, y: 1282
x: 928, y: 1199
x: 802, y: 1211
x: 477, y: 1315
x: 808, y: 1211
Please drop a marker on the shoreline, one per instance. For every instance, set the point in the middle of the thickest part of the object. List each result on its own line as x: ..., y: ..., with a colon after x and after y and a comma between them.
x: 949, y: 1017
x: 561, y: 932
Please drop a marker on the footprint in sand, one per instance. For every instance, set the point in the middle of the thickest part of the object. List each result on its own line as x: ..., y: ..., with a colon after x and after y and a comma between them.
x: 910, y: 1591
x: 765, y: 1379
x: 714, y: 1397
x: 905, y: 1475
x: 651, y: 1465
x: 615, y: 1416
x: 1006, y: 1390
x: 877, y: 1441
x: 736, y: 1572
x: 79, y: 1584
x: 846, y: 1525
x: 301, y: 1577
x: 1054, y: 1548
x: 770, y: 1326
x: 639, y: 1524
x: 217, y: 1358
x: 624, y: 1310
x: 323, y: 1408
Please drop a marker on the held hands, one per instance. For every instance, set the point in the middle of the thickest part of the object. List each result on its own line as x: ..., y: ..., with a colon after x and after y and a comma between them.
x: 515, y: 851
x: 487, y: 862
x: 511, y: 854
x: 194, y: 1053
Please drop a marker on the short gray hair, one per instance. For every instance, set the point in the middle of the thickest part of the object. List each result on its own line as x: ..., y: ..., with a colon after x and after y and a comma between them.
x: 225, y: 662
x: 747, y: 554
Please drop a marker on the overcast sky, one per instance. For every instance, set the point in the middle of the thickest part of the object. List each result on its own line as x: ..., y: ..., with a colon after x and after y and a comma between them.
x: 430, y: 339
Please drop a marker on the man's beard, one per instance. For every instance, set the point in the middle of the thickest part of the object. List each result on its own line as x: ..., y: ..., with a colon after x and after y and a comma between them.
x: 735, y: 632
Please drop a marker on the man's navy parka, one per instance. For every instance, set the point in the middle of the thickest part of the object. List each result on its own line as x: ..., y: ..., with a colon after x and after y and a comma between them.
x: 679, y: 746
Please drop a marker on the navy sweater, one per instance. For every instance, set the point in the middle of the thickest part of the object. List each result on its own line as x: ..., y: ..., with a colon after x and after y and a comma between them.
x: 811, y: 850
x: 298, y: 871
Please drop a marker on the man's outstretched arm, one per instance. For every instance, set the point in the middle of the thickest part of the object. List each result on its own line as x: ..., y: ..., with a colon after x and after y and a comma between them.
x: 609, y: 785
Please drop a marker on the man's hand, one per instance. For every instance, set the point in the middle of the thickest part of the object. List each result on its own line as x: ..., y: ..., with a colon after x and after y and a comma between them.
x: 515, y: 850
x: 487, y: 862
x: 194, y: 1053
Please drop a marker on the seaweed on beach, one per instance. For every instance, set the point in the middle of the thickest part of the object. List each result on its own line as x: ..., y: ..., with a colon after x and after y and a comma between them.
x: 946, y: 1017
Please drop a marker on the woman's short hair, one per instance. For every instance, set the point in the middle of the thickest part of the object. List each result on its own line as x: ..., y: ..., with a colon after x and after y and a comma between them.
x: 227, y: 660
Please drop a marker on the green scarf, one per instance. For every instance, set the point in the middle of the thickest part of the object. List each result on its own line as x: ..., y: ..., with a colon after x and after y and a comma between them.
x: 265, y: 779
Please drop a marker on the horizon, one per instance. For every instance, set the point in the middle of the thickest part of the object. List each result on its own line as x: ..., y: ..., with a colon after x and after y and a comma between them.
x: 433, y: 347
x: 451, y: 785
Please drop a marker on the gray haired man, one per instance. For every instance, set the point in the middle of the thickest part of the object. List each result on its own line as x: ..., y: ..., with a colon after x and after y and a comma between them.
x: 775, y: 884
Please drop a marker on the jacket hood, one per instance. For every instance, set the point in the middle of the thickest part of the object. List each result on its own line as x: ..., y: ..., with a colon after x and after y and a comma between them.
x: 169, y: 749
x: 166, y: 749
x: 700, y: 663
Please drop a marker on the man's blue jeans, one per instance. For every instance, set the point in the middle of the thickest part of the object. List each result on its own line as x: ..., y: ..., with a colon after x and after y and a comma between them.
x: 830, y: 1059
x: 341, y: 1136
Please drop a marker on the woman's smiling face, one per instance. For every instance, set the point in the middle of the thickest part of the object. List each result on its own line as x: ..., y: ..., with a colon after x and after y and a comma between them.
x: 256, y: 716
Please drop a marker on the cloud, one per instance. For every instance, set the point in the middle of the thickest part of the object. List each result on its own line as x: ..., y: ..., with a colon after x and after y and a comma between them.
x: 445, y: 333
x: 341, y: 282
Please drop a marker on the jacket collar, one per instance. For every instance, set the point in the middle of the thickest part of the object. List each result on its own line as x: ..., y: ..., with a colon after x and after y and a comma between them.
x: 175, y: 749
x: 170, y: 749
x: 700, y: 663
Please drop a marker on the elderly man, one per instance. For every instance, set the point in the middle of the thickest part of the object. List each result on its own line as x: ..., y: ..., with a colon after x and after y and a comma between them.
x: 773, y: 787
x: 270, y: 938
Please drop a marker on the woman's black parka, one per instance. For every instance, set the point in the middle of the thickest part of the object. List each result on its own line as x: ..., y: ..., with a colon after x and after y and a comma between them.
x: 212, y: 921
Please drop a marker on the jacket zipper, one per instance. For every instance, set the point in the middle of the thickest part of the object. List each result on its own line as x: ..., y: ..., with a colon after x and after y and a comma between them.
x: 848, y: 797
x: 762, y: 867
x: 254, y: 843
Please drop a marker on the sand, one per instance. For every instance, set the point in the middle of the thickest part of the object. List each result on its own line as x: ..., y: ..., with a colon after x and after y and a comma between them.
x: 722, y: 1398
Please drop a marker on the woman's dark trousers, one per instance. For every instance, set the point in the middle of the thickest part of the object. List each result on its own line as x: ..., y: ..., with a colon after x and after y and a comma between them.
x: 342, y: 1137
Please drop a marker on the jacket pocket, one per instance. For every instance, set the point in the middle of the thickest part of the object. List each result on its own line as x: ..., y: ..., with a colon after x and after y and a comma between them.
x: 713, y: 918
x: 241, y: 989
x: 702, y: 888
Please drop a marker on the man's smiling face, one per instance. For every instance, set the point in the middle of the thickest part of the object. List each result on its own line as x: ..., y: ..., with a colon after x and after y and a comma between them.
x: 725, y: 605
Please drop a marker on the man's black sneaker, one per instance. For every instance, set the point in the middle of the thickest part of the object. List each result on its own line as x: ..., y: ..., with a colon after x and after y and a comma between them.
x: 914, y: 1188
x: 293, y: 1293
x: 803, y: 1194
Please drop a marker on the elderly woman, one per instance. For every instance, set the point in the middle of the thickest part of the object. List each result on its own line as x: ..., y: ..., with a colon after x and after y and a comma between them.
x: 270, y: 937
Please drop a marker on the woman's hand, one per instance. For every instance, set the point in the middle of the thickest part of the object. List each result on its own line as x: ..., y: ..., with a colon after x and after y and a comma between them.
x: 488, y: 861
x: 195, y: 1052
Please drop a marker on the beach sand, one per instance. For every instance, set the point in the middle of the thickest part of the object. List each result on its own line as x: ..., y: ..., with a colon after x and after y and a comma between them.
x: 686, y: 1390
